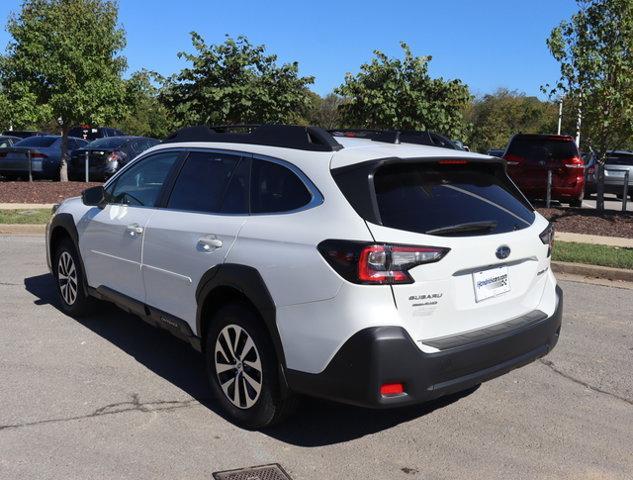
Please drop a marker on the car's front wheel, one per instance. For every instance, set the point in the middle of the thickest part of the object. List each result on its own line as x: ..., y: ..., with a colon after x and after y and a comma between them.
x: 243, y: 369
x: 69, y: 278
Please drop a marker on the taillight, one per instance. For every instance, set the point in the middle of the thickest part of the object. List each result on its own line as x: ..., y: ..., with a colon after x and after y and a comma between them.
x: 591, y: 170
x: 512, y: 159
x: 547, y: 237
x: 38, y: 155
x: 574, y: 162
x: 453, y: 161
x: 377, y: 264
x: 391, y: 389
x: 115, y: 156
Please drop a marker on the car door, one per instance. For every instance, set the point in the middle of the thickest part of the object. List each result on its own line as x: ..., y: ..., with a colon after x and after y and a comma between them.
x: 195, y: 231
x: 111, y: 238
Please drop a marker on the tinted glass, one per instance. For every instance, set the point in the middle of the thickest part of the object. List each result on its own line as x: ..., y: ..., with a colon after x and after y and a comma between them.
x: 5, y: 142
x: 542, y: 148
x: 236, y: 197
x: 620, y: 159
x: 202, y: 182
x: 275, y: 188
x: 422, y: 198
x: 37, y: 142
x: 108, y: 143
x: 141, y: 184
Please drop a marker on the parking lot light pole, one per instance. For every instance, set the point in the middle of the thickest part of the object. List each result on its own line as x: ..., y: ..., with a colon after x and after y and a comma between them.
x: 548, y: 199
x: 28, y: 154
x: 625, y: 193
x: 87, y: 161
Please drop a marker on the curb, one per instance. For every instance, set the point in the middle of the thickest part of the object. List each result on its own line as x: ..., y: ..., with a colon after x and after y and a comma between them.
x: 18, y: 229
x: 594, y: 271
x: 26, y: 206
x: 594, y: 239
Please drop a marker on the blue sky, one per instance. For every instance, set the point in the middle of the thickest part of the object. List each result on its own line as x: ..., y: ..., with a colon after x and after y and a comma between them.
x: 486, y: 43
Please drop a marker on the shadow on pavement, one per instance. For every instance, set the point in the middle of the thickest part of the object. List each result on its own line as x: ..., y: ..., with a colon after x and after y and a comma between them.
x: 315, y: 423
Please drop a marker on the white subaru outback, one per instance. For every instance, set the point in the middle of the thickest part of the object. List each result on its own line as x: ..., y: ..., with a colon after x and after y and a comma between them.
x: 374, y: 271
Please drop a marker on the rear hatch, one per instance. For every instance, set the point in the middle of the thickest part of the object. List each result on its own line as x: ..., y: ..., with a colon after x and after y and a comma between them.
x: 494, y: 270
x: 616, y: 166
x: 530, y: 157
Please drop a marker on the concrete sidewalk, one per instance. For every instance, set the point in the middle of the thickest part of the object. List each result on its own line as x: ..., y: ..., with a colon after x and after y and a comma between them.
x: 25, y: 206
x: 594, y: 239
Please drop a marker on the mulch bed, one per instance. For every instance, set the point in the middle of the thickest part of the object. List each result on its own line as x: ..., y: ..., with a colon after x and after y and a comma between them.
x: 41, y: 191
x: 589, y: 221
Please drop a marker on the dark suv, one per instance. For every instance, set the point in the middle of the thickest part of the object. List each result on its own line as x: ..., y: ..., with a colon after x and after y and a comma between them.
x: 530, y: 157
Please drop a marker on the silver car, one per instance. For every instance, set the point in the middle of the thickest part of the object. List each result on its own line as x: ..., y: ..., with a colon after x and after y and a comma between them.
x: 618, y: 162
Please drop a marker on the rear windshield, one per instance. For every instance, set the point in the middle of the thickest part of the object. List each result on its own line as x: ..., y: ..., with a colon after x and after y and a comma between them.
x: 107, y: 142
x: 542, y: 149
x: 36, y: 142
x: 448, y: 200
x: 620, y: 159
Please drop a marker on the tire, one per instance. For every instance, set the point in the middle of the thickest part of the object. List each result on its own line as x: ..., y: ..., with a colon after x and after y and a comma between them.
x: 576, y: 202
x: 232, y: 359
x: 69, y: 280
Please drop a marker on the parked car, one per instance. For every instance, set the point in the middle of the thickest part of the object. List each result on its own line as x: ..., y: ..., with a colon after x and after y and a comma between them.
x: 530, y: 157
x: 8, y: 141
x: 496, y: 152
x: 616, y: 163
x: 91, y: 133
x: 23, y: 133
x: 106, y: 156
x: 374, y: 273
x: 45, y: 156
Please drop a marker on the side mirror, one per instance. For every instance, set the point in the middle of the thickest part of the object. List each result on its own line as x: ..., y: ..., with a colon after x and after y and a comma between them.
x: 94, y: 197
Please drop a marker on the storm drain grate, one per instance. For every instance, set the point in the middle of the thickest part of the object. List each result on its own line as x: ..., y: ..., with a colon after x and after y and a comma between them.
x: 262, y: 472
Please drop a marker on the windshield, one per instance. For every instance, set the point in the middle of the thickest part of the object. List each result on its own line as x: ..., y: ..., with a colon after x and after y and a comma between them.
x: 107, y: 143
x: 542, y: 148
x: 624, y: 159
x: 37, y: 142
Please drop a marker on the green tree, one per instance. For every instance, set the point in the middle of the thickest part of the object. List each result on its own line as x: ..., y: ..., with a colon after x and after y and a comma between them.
x: 64, y: 62
x: 392, y: 93
x: 235, y: 82
x: 325, y: 111
x: 145, y: 114
x: 497, y: 116
x: 595, y: 52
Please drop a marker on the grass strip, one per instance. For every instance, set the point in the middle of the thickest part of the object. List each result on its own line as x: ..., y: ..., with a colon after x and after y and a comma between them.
x: 606, y: 256
x: 36, y: 216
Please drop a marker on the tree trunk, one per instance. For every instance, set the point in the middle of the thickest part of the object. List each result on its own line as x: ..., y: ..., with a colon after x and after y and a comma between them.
x: 63, y: 168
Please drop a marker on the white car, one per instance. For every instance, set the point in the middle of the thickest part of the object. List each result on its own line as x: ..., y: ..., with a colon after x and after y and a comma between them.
x: 372, y: 271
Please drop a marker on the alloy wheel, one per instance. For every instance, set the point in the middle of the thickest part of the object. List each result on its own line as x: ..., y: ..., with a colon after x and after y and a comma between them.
x: 67, y: 278
x: 238, y: 366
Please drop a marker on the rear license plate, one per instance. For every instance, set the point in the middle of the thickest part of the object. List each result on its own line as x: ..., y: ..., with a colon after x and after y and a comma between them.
x: 491, y: 283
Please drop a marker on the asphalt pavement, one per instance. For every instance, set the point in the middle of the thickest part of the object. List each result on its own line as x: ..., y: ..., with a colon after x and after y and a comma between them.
x: 109, y: 397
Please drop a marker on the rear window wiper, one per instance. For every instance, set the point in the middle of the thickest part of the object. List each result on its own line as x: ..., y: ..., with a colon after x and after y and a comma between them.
x: 464, y: 227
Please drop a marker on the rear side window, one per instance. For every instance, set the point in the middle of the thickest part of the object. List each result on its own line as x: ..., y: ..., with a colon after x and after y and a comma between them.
x: 203, y: 182
x: 275, y: 188
x: 542, y: 148
x: 448, y: 200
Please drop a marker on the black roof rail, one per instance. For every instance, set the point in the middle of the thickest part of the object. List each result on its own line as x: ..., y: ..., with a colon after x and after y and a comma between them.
x: 397, y: 136
x: 288, y: 136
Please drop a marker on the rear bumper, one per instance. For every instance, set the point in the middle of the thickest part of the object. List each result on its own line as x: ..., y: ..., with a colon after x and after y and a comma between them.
x: 380, y: 355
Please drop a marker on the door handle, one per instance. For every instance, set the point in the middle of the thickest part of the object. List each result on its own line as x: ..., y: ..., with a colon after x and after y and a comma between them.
x: 134, y: 229
x: 208, y: 244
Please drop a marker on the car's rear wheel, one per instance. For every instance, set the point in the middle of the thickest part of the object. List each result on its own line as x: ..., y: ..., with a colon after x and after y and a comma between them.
x: 69, y: 279
x: 243, y: 369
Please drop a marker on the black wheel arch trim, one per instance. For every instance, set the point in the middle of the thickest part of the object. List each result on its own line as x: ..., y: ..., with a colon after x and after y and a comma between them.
x: 247, y: 281
x: 66, y: 222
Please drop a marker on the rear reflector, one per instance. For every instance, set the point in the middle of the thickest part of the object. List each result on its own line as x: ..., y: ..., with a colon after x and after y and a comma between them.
x: 391, y: 389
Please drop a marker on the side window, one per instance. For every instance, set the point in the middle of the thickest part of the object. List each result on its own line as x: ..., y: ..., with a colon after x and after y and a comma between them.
x: 141, y: 184
x: 203, y: 181
x: 275, y: 188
